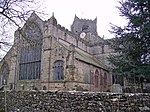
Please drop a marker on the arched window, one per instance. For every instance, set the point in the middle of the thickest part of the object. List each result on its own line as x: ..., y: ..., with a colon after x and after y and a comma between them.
x: 58, y: 70
x: 85, y: 28
x: 30, y: 58
x: 96, y: 79
x: 101, y: 79
x: 105, y: 79
x: 4, y: 73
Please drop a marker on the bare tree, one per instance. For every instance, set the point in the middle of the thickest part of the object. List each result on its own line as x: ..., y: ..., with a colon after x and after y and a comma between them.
x: 12, y: 14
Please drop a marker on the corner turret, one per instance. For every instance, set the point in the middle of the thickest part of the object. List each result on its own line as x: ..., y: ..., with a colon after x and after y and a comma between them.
x: 53, y: 20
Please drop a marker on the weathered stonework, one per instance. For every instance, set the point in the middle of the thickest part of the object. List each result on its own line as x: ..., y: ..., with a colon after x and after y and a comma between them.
x: 81, y: 61
x: 58, y: 101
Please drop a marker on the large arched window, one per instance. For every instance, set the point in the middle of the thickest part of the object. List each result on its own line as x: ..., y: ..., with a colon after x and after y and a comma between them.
x: 30, y: 57
x: 96, y: 79
x: 58, y: 70
x: 4, y: 73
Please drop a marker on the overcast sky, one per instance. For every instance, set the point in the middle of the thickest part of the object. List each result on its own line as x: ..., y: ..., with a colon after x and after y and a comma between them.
x: 105, y: 11
x: 65, y: 10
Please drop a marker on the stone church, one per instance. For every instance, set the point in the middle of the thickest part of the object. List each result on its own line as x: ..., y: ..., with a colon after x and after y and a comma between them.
x: 47, y: 56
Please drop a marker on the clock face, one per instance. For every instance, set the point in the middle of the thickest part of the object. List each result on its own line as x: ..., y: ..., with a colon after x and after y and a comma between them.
x: 32, y: 31
x: 82, y: 35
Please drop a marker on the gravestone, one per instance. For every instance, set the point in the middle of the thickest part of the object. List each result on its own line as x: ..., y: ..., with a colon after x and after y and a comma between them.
x: 116, y: 88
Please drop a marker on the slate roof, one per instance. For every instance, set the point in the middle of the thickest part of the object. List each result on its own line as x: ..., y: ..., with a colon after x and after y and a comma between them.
x: 89, y: 60
x: 86, y: 58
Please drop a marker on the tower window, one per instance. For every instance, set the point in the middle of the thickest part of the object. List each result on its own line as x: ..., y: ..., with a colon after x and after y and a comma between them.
x: 85, y: 27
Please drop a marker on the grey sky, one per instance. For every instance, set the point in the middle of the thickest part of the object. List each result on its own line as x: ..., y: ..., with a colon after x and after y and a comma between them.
x: 105, y: 11
x: 65, y: 10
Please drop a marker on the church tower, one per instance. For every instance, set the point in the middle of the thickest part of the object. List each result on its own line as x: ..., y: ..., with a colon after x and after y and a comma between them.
x: 82, y: 25
x: 87, y: 30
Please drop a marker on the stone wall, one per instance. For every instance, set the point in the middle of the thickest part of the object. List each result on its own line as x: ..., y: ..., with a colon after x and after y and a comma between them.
x: 57, y: 101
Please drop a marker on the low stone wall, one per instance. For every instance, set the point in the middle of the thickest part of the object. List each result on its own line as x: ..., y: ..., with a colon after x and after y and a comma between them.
x: 2, y: 101
x: 57, y: 101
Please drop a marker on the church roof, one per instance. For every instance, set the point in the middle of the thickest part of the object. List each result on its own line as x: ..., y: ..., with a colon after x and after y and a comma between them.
x: 89, y: 60
x: 85, y: 58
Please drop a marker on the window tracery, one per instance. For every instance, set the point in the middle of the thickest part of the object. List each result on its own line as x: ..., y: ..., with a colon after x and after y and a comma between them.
x: 30, y: 56
x: 32, y: 31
